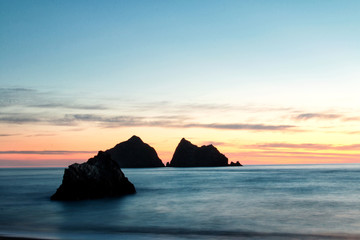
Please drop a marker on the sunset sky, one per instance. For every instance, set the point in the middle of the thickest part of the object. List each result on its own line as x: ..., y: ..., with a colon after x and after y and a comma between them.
x: 266, y: 82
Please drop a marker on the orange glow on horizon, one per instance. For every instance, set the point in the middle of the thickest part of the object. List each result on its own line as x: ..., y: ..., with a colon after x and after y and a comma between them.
x: 254, y: 157
x: 249, y: 148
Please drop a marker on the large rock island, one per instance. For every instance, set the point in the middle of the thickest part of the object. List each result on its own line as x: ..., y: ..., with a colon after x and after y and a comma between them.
x: 99, y: 177
x: 190, y: 155
x: 134, y: 153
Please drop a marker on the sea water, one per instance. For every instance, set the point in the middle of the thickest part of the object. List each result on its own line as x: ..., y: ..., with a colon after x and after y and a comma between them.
x: 250, y: 202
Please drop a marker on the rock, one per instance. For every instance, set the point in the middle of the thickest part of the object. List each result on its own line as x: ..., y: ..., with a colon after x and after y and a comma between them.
x: 190, y: 155
x: 134, y: 153
x: 99, y: 177
x: 235, y: 164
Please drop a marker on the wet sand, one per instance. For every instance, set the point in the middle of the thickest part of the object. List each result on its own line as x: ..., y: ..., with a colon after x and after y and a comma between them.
x: 19, y: 238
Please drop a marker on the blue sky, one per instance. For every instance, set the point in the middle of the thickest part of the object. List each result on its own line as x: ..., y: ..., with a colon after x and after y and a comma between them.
x: 136, y: 45
x: 180, y: 63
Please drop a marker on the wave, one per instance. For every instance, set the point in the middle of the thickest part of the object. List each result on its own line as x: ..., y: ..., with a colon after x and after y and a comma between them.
x: 234, y: 234
x: 181, y: 233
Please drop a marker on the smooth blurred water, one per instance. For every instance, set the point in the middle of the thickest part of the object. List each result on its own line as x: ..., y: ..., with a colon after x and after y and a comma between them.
x: 251, y: 202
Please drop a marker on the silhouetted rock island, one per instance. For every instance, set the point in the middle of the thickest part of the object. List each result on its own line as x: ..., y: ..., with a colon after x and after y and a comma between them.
x: 99, y: 177
x: 190, y: 155
x: 235, y: 164
x: 134, y: 153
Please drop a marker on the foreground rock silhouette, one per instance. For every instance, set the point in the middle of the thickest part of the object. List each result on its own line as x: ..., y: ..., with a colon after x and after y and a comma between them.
x: 99, y: 177
x: 190, y: 155
x: 134, y: 153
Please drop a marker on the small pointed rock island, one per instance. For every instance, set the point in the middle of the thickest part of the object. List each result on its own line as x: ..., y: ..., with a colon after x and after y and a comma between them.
x: 99, y: 177
x: 134, y: 153
x: 190, y: 155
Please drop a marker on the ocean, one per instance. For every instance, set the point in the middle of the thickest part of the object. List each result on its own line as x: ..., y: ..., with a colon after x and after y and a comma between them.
x: 250, y: 202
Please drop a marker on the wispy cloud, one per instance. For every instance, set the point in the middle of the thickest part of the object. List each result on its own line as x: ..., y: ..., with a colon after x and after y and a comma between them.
x: 287, y: 154
x: 106, y: 121
x: 353, y: 132
x: 39, y: 163
x: 349, y: 147
x: 68, y: 106
x: 17, y: 96
x: 214, y: 107
x: 19, y: 119
x: 352, y: 119
x: 172, y: 121
x: 30, y: 106
x: 11, y: 96
x: 240, y: 126
x: 215, y: 143
x: 232, y: 107
x: 75, y: 119
x: 307, y: 116
x: 46, y: 152
x: 41, y: 135
x: 290, y: 145
x: 31, y: 98
x: 283, y: 154
x: 311, y: 146
x: 8, y: 135
x: 292, y: 157
x: 149, y: 122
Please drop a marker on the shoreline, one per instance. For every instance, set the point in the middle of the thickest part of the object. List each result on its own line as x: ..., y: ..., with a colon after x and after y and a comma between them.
x: 5, y: 237
x: 245, y: 235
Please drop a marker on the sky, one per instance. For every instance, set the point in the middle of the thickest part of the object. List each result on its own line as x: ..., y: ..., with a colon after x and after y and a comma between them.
x: 266, y: 82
